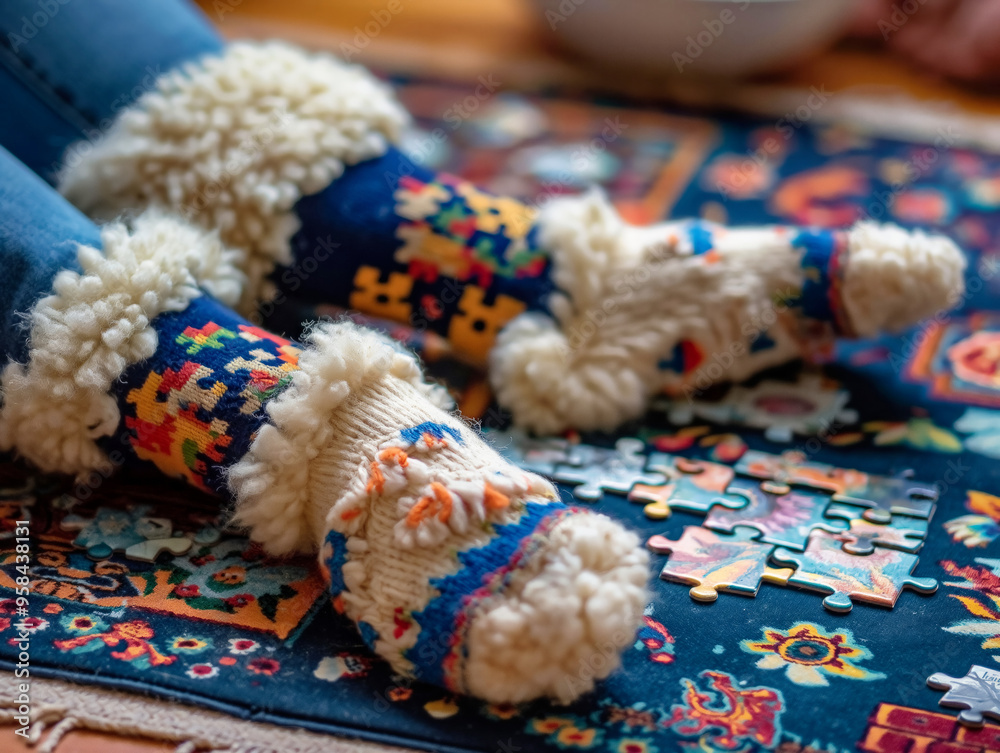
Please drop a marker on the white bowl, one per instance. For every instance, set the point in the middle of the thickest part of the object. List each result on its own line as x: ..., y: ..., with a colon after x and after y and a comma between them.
x: 715, y: 37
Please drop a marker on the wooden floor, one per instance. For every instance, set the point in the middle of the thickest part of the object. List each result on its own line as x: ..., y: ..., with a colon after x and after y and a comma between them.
x: 86, y: 742
x: 459, y: 40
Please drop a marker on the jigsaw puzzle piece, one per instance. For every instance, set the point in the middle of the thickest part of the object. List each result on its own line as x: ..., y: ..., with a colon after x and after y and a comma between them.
x: 885, y: 496
x: 116, y: 530
x: 876, y: 579
x: 701, y: 484
x: 882, y: 495
x: 602, y: 471
x: 694, y: 486
x: 656, y: 499
x: 111, y: 529
x: 536, y: 455
x: 780, y: 514
x: 978, y: 693
x: 793, y: 468
x: 711, y: 562
x: 904, y: 532
x: 148, y: 551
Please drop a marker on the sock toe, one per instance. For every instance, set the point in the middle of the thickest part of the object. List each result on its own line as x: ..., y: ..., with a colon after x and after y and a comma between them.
x: 563, y: 619
x: 895, y: 278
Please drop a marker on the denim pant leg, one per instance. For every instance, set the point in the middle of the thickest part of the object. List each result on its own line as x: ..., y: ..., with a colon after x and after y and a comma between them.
x: 39, y: 235
x: 68, y: 67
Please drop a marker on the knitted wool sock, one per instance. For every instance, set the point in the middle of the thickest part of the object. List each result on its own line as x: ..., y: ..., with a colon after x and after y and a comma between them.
x: 458, y: 568
x: 580, y: 316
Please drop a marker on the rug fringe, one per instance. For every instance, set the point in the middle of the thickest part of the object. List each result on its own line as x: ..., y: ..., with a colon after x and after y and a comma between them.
x: 59, y: 707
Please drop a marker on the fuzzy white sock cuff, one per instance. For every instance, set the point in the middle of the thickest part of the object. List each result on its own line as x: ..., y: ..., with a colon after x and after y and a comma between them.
x: 233, y: 142
x: 94, y: 326
x: 300, y: 463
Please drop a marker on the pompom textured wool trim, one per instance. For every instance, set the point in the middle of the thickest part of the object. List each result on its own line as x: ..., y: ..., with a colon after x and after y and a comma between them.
x: 562, y: 622
x: 628, y: 296
x: 233, y: 142
x: 94, y: 326
x: 895, y: 278
x: 271, y: 482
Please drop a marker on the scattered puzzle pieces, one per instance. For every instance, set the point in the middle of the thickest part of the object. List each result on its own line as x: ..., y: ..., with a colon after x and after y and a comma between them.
x: 782, y: 515
x: 884, y: 496
x: 113, y: 530
x: 978, y: 693
x: 877, y: 579
x: 536, y: 455
x: 694, y: 486
x: 711, y: 562
x: 835, y: 525
x: 904, y: 532
x: 148, y: 551
x: 615, y: 471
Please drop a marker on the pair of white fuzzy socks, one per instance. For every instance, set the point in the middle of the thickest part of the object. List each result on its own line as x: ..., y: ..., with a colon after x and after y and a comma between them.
x: 457, y: 567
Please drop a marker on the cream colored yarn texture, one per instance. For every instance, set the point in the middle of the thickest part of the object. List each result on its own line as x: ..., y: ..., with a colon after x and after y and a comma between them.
x: 357, y: 458
x: 351, y: 381
x: 630, y: 294
x: 96, y: 324
x: 232, y: 142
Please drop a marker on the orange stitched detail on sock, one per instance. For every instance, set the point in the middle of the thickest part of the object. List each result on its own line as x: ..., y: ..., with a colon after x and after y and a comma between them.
x: 443, y: 497
x: 439, y: 504
x: 495, y: 500
x: 377, y: 481
x: 397, y: 454
x: 350, y: 514
x: 417, y: 512
x: 430, y: 440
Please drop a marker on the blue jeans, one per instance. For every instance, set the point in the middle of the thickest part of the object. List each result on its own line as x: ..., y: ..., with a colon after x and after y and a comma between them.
x: 39, y: 235
x: 68, y: 67
x: 66, y: 70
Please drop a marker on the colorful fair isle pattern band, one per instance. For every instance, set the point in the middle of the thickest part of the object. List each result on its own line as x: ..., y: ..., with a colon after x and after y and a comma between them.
x: 193, y: 409
x: 433, y: 251
x: 401, y: 242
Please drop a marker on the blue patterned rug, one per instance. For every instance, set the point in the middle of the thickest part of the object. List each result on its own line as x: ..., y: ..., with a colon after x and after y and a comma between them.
x: 223, y: 627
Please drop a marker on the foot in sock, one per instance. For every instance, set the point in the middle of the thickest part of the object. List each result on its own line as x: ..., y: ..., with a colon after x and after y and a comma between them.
x: 580, y: 316
x: 458, y: 568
